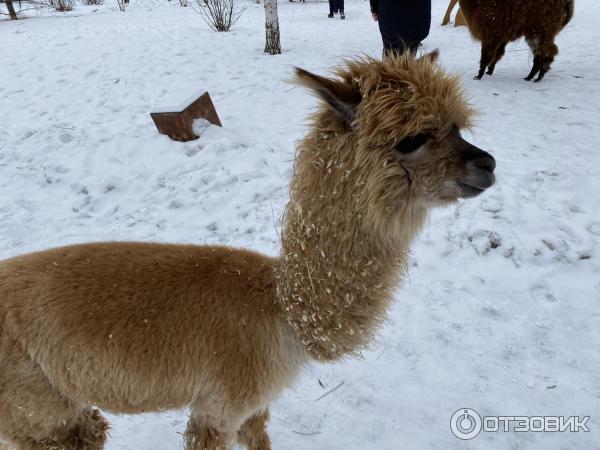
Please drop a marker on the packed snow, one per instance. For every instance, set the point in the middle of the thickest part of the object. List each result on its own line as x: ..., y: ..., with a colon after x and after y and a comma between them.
x: 501, y: 311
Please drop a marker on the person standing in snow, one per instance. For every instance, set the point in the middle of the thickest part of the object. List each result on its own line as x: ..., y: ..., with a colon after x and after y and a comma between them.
x: 403, y: 23
x: 335, y: 6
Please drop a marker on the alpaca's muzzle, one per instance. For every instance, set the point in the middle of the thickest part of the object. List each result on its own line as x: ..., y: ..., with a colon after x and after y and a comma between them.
x: 480, y: 167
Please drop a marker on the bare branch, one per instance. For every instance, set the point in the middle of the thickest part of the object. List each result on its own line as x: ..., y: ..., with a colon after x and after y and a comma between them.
x: 220, y: 15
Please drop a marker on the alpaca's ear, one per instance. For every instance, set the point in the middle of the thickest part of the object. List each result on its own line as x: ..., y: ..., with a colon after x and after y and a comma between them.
x: 342, y: 98
x: 432, y: 56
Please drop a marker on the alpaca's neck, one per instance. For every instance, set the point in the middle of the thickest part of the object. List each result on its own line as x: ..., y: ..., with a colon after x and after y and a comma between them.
x: 337, y: 274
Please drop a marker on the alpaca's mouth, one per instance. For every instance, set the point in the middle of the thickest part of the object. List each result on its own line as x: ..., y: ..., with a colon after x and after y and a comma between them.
x: 468, y: 190
x: 474, y: 186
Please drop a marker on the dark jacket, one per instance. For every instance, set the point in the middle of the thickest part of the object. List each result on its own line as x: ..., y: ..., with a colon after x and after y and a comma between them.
x: 409, y: 20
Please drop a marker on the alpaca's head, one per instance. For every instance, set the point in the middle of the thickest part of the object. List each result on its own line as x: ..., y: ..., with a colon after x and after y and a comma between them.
x: 403, y: 116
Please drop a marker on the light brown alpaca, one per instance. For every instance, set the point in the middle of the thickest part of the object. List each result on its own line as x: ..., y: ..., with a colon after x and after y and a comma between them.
x: 459, y: 20
x: 134, y: 327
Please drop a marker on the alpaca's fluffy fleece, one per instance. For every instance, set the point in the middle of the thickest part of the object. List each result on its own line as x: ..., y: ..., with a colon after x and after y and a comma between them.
x: 353, y: 210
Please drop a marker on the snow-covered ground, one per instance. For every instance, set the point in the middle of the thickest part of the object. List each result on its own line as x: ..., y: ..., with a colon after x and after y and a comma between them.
x: 501, y: 312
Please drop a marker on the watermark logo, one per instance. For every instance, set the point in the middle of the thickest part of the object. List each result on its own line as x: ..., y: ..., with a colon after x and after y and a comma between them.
x: 466, y: 423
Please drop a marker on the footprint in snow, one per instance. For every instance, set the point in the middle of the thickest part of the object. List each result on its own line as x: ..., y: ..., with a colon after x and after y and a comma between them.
x: 542, y: 294
x: 483, y: 241
x: 594, y: 228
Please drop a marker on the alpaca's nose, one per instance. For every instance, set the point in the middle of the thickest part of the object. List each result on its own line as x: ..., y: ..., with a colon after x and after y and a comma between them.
x: 485, y: 162
x: 474, y: 157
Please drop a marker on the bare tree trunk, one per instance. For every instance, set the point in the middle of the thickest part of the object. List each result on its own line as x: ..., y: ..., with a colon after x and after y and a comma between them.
x: 11, y: 9
x: 273, y: 45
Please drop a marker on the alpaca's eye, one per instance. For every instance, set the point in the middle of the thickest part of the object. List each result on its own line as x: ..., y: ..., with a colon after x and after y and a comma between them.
x: 412, y: 143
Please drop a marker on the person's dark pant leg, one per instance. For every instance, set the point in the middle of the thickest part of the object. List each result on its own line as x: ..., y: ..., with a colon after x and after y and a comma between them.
x: 340, y: 5
x: 398, y: 46
x: 331, y: 6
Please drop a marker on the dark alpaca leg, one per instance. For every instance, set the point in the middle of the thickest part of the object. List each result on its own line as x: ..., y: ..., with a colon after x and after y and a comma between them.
x: 498, y: 57
x: 253, y: 434
x: 34, y: 416
x: 488, y: 53
x: 534, y: 45
x: 537, y: 64
x: 201, y: 434
x: 548, y: 52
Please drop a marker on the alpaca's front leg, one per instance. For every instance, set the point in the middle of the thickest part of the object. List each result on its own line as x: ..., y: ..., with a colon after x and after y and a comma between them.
x: 499, y: 54
x: 449, y: 11
x: 253, y: 434
x: 488, y: 53
x: 537, y: 64
x: 548, y: 51
x: 203, y: 433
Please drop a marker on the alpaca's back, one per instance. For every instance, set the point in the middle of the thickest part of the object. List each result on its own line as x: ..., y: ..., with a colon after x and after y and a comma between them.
x: 133, y: 327
x: 512, y: 19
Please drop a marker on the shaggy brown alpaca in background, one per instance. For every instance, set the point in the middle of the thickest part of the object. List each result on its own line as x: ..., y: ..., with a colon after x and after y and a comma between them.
x: 495, y: 23
x: 137, y: 327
